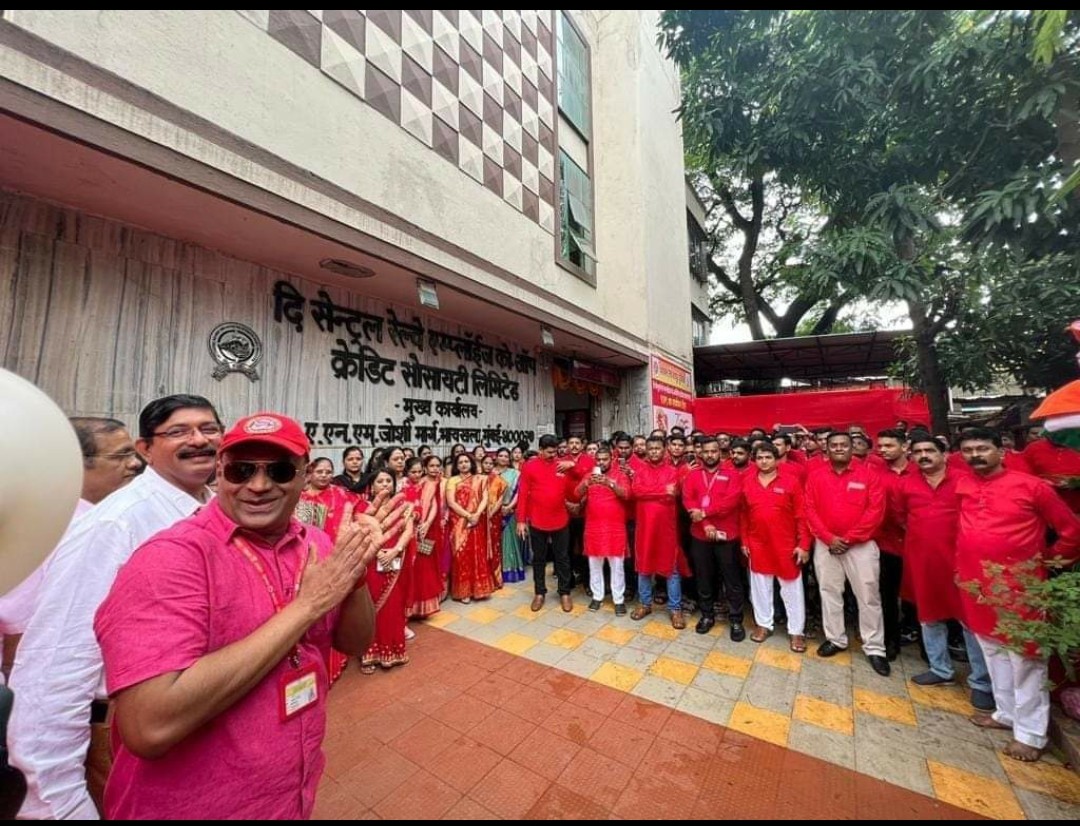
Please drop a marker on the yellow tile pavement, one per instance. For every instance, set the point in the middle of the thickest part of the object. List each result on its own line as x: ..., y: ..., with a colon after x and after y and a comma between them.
x: 614, y: 635
x: 770, y: 726
x: 1044, y: 776
x: 945, y: 698
x: 660, y: 630
x: 974, y: 792
x: 515, y: 643
x: 723, y: 663
x: 896, y: 709
x: 564, y: 638
x: 674, y: 670
x: 620, y: 677
x: 441, y: 619
x: 840, y: 719
x: 482, y: 615
x: 778, y: 658
x: 526, y: 613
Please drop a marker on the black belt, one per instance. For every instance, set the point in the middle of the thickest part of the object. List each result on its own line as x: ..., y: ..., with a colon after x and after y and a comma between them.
x: 99, y: 712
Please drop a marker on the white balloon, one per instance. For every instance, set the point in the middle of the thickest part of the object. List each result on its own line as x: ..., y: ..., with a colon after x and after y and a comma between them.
x: 40, y: 479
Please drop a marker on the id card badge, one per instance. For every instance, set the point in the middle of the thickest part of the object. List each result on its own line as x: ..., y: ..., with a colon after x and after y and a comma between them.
x: 722, y: 536
x: 705, y: 500
x: 299, y: 691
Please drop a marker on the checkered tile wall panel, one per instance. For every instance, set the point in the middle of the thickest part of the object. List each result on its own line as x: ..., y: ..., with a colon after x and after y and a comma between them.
x: 475, y: 86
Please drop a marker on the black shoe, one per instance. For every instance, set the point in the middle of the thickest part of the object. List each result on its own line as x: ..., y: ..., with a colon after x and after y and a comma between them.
x: 738, y: 633
x: 594, y: 605
x: 827, y: 649
x: 704, y: 625
x: 909, y: 636
x: 958, y: 652
x: 892, y: 652
x: 620, y: 610
x: 880, y: 665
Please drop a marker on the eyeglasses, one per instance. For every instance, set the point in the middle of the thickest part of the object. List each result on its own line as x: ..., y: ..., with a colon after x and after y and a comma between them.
x: 122, y: 456
x: 210, y: 431
x: 280, y: 472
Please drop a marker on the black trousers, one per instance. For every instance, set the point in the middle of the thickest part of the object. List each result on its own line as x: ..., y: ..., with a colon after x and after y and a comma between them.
x: 559, y: 544
x: 892, y: 572
x: 714, y: 559
x: 628, y: 563
x: 579, y: 563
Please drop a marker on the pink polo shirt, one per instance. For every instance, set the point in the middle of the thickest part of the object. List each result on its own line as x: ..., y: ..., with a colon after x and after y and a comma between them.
x: 185, y: 593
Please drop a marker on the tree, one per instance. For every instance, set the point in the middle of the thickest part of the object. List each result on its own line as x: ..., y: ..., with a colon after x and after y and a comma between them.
x: 927, y: 137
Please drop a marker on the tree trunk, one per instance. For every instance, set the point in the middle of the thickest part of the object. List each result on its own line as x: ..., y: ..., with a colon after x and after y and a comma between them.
x: 930, y: 377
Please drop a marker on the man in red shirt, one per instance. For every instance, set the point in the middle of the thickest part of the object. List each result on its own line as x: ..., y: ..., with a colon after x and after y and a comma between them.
x: 1057, y: 464
x: 928, y: 509
x: 845, y: 504
x: 740, y: 457
x: 655, y: 489
x: 788, y: 460
x: 892, y: 451
x: 776, y: 540
x: 216, y: 635
x: 542, y: 518
x: 1004, y: 517
x: 713, y: 498
x: 604, y: 492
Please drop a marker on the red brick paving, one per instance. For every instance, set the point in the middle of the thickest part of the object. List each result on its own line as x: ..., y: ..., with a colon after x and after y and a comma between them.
x: 469, y: 732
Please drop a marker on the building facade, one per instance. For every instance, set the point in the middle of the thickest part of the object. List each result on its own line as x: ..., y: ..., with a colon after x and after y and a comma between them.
x: 400, y: 227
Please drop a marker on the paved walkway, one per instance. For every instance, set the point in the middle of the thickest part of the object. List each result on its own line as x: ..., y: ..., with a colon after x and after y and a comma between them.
x: 836, y: 711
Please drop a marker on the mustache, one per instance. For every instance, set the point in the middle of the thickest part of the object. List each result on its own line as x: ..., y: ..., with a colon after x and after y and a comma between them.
x: 191, y: 453
x: 977, y: 461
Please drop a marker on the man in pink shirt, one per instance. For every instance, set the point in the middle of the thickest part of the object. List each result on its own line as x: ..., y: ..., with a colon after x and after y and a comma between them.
x: 215, y: 638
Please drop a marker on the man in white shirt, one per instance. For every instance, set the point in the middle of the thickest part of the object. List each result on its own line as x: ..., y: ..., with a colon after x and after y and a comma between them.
x: 110, y: 461
x: 58, y: 677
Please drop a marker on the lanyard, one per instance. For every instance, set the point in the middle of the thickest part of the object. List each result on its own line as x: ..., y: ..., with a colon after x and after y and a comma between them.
x: 709, y: 486
x: 249, y: 554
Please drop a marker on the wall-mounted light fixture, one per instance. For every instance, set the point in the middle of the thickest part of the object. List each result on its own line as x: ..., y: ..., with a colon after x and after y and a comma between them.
x: 346, y: 268
x: 427, y: 293
x: 546, y: 336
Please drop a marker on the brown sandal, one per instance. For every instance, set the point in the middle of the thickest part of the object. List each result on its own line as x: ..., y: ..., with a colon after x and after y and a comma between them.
x: 1023, y: 752
x: 678, y: 621
x: 798, y: 644
x: 988, y: 721
x: 760, y: 634
x: 641, y: 612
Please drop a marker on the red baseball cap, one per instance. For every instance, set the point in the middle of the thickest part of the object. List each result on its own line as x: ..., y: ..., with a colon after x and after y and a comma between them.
x: 268, y: 428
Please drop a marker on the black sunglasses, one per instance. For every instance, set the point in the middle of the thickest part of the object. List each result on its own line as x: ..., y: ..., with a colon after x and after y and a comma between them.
x: 280, y: 472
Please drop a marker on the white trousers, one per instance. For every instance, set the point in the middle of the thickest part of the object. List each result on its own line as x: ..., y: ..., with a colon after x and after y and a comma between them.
x: 618, y: 578
x: 861, y: 567
x: 791, y: 592
x: 1020, y: 692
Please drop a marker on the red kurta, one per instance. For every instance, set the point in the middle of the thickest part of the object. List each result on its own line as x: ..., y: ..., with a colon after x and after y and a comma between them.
x: 1003, y: 521
x: 1056, y: 465
x: 719, y: 494
x: 890, y: 534
x: 774, y: 524
x: 656, y: 537
x: 605, y: 516
x: 930, y: 518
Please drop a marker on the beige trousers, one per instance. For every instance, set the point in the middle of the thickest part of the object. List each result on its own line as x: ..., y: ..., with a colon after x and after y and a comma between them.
x: 861, y: 567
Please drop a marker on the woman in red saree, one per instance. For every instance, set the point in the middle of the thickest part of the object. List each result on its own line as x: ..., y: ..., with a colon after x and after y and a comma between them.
x: 427, y: 582
x: 324, y: 504
x: 496, y: 487
x: 384, y: 583
x: 466, y: 497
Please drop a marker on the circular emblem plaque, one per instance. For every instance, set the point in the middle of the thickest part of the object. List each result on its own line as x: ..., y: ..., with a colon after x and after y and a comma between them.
x: 236, y: 349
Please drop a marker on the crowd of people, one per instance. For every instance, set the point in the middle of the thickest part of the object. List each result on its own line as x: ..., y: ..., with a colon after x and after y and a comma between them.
x: 215, y: 582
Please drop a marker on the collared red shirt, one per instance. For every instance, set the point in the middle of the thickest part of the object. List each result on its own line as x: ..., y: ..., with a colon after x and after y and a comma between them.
x: 542, y: 494
x: 719, y: 494
x: 58, y: 669
x: 849, y: 504
x: 1055, y: 464
x: 187, y: 593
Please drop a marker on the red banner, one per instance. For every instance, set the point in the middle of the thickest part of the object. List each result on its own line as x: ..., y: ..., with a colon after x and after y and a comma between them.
x: 873, y: 410
x: 672, y: 385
